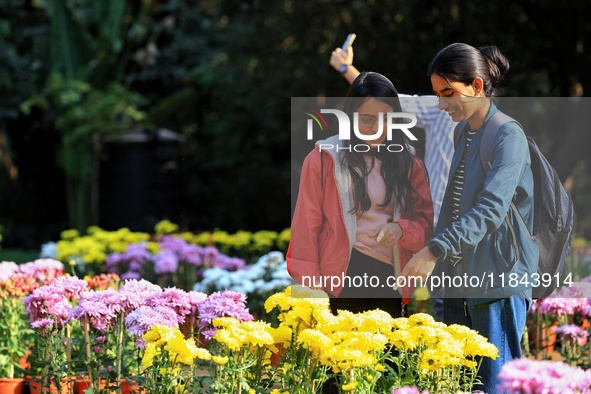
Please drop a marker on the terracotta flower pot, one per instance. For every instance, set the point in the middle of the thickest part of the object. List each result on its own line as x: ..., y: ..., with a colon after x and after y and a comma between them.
x: 24, y: 360
x: 82, y: 384
x: 36, y: 386
x: 131, y: 387
x: 547, y: 338
x: 276, y: 357
x: 12, y: 386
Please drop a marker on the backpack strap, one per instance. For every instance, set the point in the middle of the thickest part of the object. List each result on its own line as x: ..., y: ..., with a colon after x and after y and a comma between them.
x: 458, y: 132
x: 490, y: 134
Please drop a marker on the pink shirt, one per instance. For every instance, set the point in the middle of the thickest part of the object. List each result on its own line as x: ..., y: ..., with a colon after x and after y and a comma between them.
x: 375, y: 217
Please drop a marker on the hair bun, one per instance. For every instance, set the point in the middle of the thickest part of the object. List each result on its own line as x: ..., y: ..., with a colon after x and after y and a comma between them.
x: 497, y: 62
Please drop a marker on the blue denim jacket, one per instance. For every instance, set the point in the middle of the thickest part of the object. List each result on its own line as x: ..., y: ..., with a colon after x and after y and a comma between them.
x: 499, y: 258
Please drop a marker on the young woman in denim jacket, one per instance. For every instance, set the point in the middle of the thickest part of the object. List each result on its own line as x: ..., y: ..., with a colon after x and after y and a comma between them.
x: 473, y: 241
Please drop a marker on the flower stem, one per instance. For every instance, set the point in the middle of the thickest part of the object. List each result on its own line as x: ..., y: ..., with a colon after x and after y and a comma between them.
x: 120, y: 325
x: 88, y: 354
x: 69, y: 357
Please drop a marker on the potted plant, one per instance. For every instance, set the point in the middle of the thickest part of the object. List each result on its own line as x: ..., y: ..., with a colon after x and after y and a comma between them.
x: 15, y: 333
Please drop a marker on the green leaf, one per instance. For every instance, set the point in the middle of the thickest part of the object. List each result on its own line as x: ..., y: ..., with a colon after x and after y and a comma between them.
x: 70, y: 47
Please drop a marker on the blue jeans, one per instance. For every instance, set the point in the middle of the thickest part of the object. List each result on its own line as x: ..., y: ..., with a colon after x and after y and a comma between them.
x: 501, y: 321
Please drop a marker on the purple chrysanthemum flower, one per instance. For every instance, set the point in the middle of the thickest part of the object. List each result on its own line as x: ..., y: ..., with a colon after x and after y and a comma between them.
x: 185, y: 252
x: 192, y: 254
x: 209, y: 255
x: 165, y: 262
x: 130, y: 263
x: 172, y: 243
x: 113, y: 261
x: 131, y: 275
x: 138, y: 252
x: 229, y: 303
x: 229, y: 263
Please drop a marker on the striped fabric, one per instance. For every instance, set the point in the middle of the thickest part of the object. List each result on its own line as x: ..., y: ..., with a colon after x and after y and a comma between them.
x: 458, y: 186
x: 439, y: 149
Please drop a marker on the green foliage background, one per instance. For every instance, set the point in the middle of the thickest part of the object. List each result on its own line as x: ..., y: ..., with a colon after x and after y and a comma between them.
x: 222, y: 73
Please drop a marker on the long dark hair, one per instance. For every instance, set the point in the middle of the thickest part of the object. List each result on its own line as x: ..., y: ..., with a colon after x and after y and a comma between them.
x: 462, y: 63
x: 396, y: 166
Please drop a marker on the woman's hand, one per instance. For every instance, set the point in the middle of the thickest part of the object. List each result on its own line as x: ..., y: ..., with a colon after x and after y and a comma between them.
x: 421, y: 264
x: 388, y: 234
x: 339, y: 57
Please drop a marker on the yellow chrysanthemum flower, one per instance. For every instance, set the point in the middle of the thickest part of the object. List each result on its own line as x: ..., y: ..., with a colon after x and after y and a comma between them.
x: 226, y: 322
x: 277, y: 391
x: 150, y: 352
x: 233, y: 338
x: 420, y: 319
x: 479, y: 346
x: 315, y: 341
x: 160, y: 334
x: 280, y: 300
x: 185, y: 351
x: 370, y: 342
x: 282, y: 334
x: 220, y: 360
x: 451, y: 347
x: 429, y: 360
x: 402, y: 339
x: 352, y: 385
x: 375, y: 321
x: 69, y: 234
x: 258, y: 333
x: 400, y: 323
x: 165, y: 227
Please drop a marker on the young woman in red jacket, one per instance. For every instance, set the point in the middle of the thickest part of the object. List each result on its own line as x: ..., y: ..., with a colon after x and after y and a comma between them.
x: 360, y: 216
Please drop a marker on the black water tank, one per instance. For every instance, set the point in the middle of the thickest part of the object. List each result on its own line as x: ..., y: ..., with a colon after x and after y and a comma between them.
x: 140, y: 180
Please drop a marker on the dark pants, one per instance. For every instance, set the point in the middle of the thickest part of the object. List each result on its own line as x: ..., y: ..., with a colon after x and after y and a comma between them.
x: 360, y: 299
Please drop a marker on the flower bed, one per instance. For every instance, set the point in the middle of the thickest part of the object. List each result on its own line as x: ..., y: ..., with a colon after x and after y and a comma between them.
x: 160, y: 337
x: 166, y: 339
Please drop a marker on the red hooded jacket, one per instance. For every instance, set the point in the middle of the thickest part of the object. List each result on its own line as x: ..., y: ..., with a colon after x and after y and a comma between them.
x: 323, y: 230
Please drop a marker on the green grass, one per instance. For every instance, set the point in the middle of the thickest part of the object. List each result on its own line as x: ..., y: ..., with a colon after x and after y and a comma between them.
x: 18, y: 255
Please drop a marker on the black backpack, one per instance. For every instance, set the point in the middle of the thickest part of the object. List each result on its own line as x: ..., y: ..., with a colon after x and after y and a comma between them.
x: 553, y: 207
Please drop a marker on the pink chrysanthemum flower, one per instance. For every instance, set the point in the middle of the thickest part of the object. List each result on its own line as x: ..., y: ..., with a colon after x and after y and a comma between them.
x: 547, y: 377
x: 99, y: 308
x: 174, y: 298
x: 572, y: 332
x: 72, y: 286
x: 137, y: 292
x: 48, y: 306
x: 45, y: 270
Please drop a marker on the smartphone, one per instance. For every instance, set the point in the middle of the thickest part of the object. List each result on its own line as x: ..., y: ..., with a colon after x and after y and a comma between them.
x: 349, y: 41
